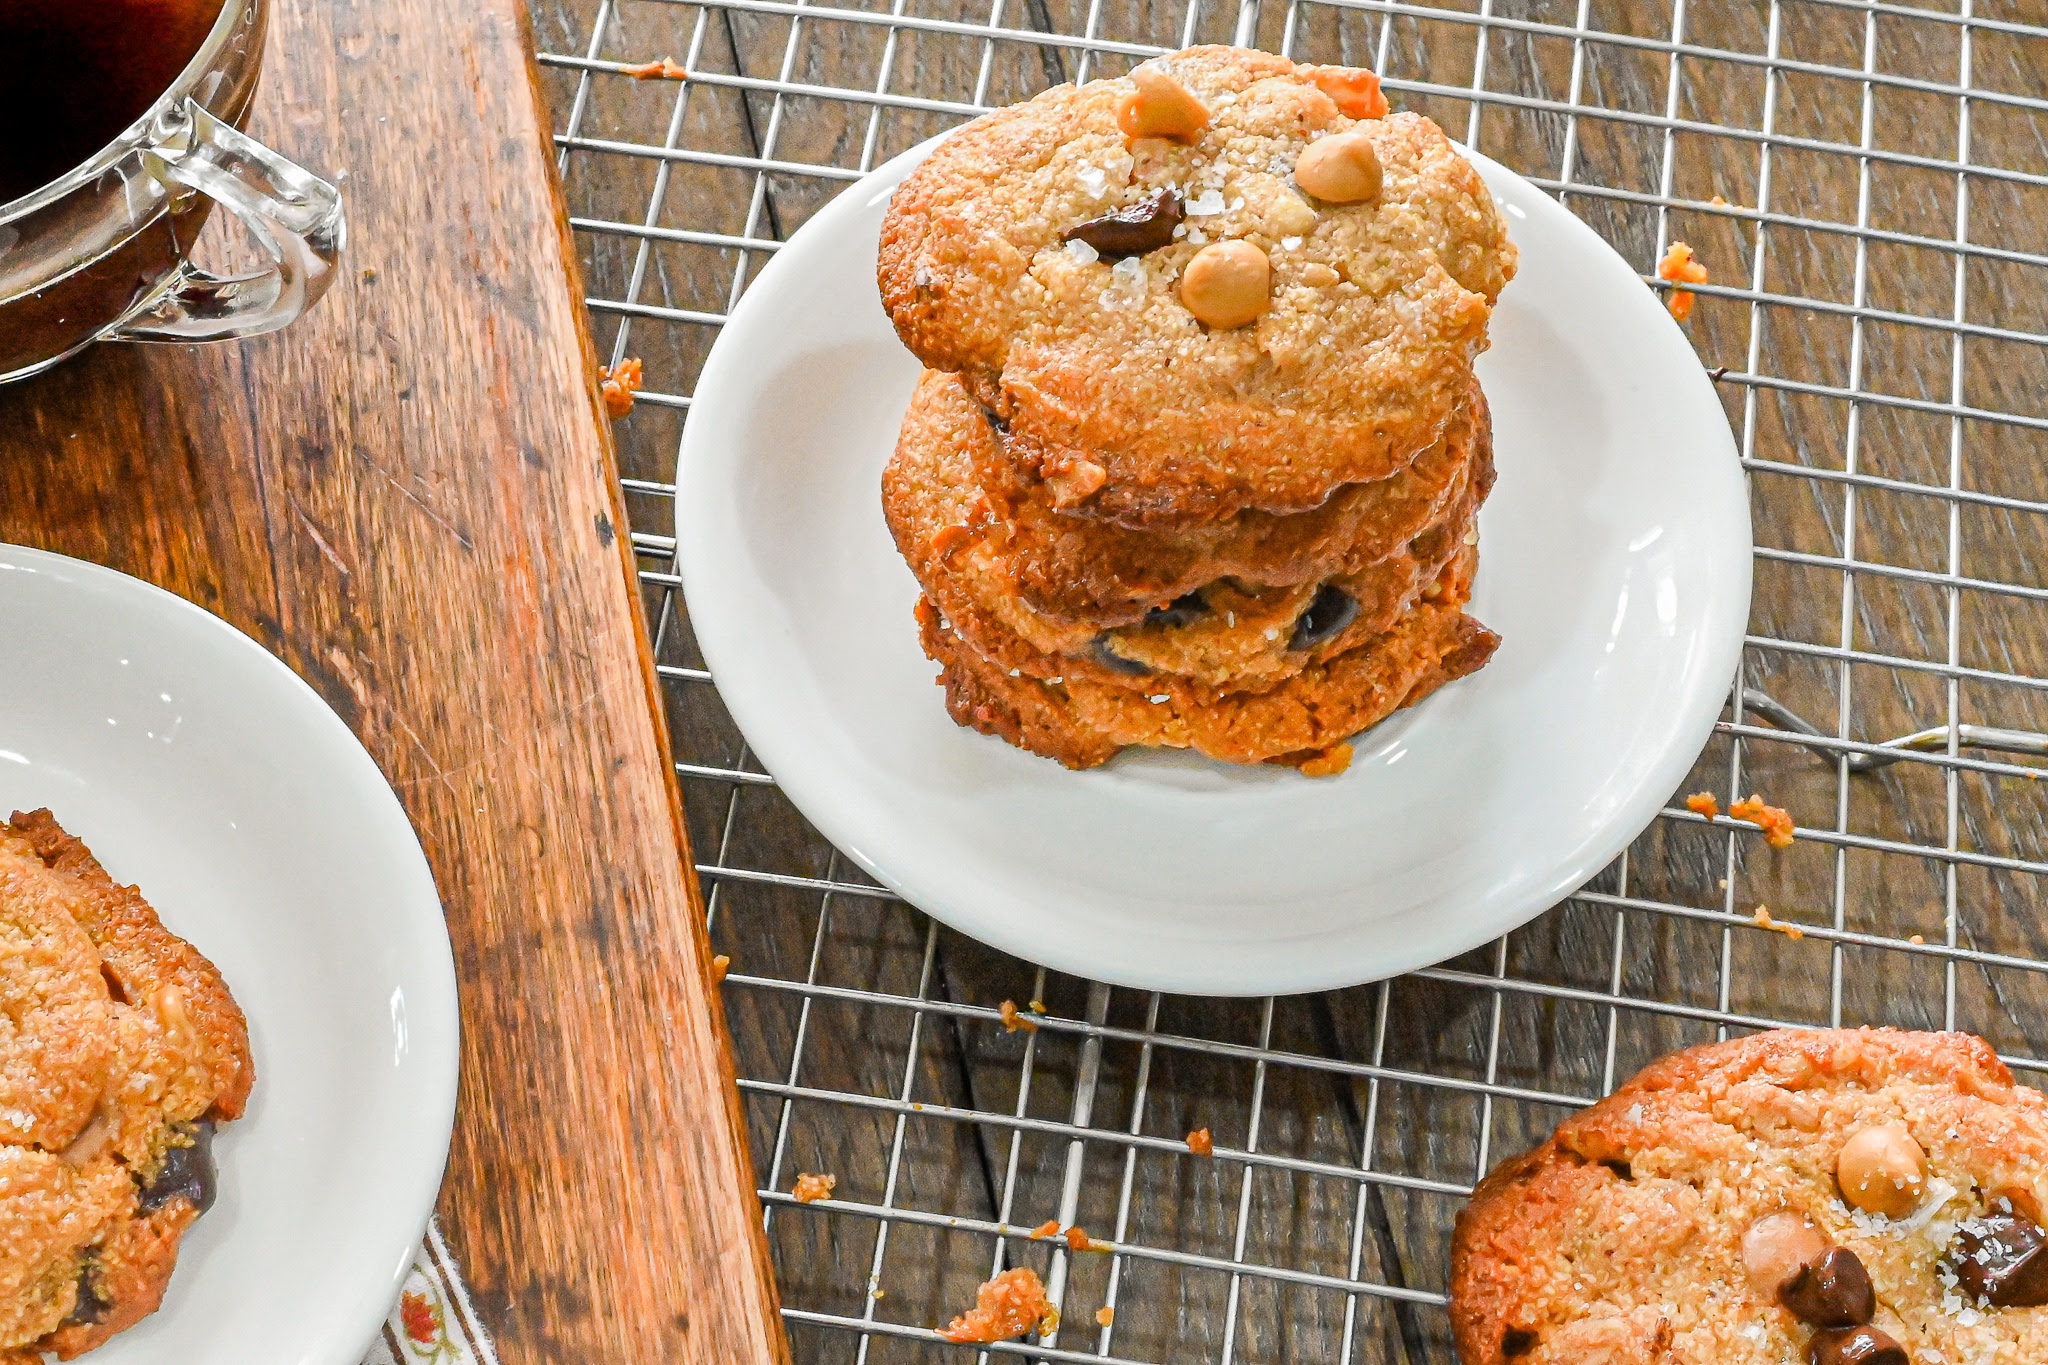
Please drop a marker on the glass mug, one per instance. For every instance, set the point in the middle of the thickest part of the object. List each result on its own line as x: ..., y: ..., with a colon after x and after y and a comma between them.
x: 99, y: 253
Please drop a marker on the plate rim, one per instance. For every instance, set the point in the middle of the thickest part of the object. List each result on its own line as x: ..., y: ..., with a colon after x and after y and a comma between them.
x: 1701, y: 700
x: 436, y: 1105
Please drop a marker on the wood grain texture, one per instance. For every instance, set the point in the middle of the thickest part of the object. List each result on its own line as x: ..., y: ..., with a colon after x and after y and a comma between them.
x: 1654, y: 980
x: 409, y: 497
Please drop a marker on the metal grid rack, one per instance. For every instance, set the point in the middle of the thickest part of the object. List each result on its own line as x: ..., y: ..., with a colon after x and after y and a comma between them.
x: 1866, y: 183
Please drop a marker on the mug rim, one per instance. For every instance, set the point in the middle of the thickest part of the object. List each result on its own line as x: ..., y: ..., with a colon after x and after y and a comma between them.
x: 99, y: 162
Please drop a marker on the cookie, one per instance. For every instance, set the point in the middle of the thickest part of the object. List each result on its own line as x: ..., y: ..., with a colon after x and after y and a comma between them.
x: 1115, y: 397
x: 1831, y: 1196
x: 1079, y: 571
x: 1082, y: 723
x: 1224, y: 633
x: 127, y: 1051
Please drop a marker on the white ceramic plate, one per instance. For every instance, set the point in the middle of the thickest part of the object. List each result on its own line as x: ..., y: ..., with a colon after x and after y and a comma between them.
x: 1614, y: 563
x: 201, y: 769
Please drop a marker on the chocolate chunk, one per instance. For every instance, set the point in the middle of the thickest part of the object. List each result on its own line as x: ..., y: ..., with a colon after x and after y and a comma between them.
x: 1833, y: 1291
x: 1099, y: 650
x: 1999, y: 1259
x: 1854, y: 1346
x: 90, y: 1308
x: 186, y: 1173
x: 1181, y: 611
x: 1331, y: 611
x: 1144, y: 226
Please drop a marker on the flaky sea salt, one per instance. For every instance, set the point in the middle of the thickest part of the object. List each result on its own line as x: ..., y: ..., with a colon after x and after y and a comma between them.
x: 1080, y: 253
x: 1093, y: 179
x: 1290, y: 243
x: 1204, y: 205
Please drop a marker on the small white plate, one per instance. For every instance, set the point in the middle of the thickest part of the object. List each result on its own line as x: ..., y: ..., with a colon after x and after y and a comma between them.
x: 202, y: 770
x: 1615, y: 563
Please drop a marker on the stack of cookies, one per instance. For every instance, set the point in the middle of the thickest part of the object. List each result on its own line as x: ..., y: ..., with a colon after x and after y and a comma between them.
x: 1198, y: 455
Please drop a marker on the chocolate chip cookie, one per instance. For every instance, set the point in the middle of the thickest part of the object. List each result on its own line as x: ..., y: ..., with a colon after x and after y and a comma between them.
x: 1082, y: 723
x: 125, y: 1049
x: 1077, y: 571
x: 1238, y: 340
x: 1840, y: 1197
x: 1224, y: 633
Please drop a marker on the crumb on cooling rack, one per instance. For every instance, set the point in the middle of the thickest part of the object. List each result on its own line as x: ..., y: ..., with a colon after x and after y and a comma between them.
x: 720, y: 965
x: 1703, y: 803
x: 1049, y: 1228
x: 1772, y: 820
x: 1763, y: 920
x: 811, y: 1187
x: 1680, y: 266
x: 1012, y: 1020
x: 1916, y: 940
x: 1200, y: 1143
x: 619, y: 383
x: 1718, y: 202
x: 1007, y: 1306
x: 667, y: 69
x: 1104, y: 1316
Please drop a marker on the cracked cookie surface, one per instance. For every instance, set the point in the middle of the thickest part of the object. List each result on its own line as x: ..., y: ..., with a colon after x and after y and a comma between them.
x: 1116, y: 399
x: 1623, y: 1237
x: 120, y: 1048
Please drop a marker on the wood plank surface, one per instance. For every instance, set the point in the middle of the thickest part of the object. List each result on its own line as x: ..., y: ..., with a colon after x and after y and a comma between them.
x: 1592, y: 990
x: 410, y: 497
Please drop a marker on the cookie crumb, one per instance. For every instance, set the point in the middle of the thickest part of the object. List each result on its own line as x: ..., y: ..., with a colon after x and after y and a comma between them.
x: 1007, y: 1306
x: 1772, y: 820
x: 1329, y: 762
x: 619, y: 383
x: 720, y: 965
x: 1012, y: 1020
x: 1762, y: 919
x: 1681, y: 266
x: 1916, y: 939
x: 1104, y: 1316
x: 1200, y: 1143
x: 1718, y: 202
x: 1036, y: 1007
x: 810, y: 1187
x: 1703, y: 803
x: 1078, y: 1239
x: 667, y: 69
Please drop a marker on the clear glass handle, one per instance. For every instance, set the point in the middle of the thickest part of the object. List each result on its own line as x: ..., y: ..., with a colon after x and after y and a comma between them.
x: 295, y: 215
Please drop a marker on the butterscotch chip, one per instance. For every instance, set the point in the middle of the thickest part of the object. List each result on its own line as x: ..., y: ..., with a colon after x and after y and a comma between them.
x: 1085, y: 359
x: 1623, y: 1237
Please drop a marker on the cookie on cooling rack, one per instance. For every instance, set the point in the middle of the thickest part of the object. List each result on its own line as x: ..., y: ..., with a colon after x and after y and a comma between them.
x: 1077, y: 571
x: 1077, y: 260
x: 1224, y: 634
x: 124, y: 1050
x: 1841, y: 1197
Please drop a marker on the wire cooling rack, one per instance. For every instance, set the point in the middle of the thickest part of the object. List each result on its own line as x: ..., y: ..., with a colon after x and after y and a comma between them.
x: 1866, y: 184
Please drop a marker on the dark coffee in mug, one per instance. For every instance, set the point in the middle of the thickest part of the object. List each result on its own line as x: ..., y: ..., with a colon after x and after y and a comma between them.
x: 74, y: 73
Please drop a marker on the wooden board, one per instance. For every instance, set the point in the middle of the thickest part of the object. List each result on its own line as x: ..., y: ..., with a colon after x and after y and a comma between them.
x: 409, y: 497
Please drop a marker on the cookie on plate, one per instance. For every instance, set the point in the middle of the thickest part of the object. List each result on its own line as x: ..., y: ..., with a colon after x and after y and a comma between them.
x: 125, y: 1049
x: 1226, y: 633
x: 1082, y: 723
x: 1841, y: 1197
x: 1076, y: 571
x: 1003, y: 259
